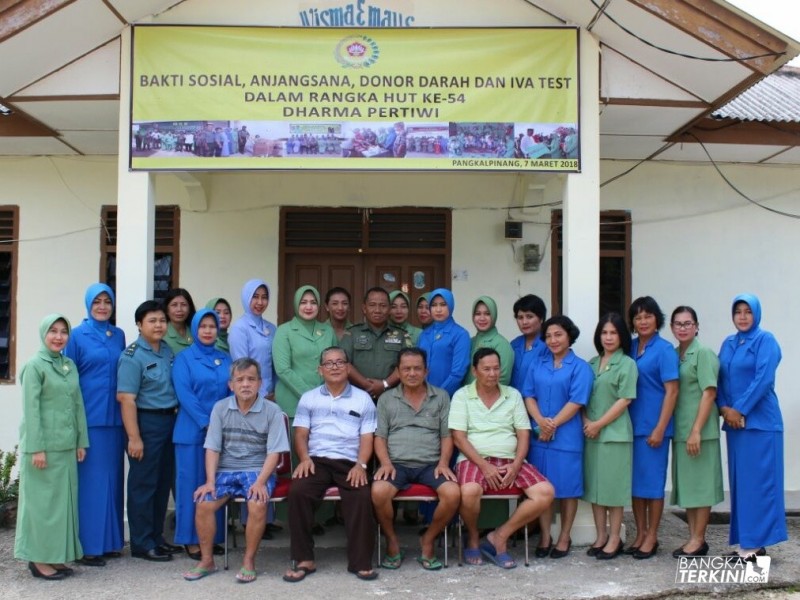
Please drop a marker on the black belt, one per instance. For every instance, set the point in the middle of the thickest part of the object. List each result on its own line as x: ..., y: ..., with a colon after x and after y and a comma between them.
x: 159, y: 411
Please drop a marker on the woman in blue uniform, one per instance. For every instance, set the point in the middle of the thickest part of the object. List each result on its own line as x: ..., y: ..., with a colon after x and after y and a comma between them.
x: 95, y: 346
x: 651, y: 414
x: 200, y: 377
x: 530, y: 312
x: 446, y: 342
x: 558, y: 385
x: 754, y: 427
x: 251, y: 336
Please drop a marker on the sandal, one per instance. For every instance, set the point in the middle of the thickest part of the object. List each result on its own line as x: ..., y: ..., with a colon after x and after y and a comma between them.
x: 298, y: 574
x: 393, y: 562
x: 430, y: 564
x: 367, y: 575
x: 245, y: 575
x: 472, y: 556
x: 501, y: 559
x: 196, y: 573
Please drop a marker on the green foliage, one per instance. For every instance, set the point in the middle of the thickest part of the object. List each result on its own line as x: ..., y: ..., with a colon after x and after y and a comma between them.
x: 9, y: 488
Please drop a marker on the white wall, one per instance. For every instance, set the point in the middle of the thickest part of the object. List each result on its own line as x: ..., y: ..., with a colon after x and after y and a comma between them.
x: 694, y: 241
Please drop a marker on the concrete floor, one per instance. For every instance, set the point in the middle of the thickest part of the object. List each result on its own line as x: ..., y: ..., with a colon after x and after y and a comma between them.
x: 576, y: 576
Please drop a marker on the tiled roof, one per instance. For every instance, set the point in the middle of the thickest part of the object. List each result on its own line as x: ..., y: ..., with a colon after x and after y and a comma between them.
x: 775, y: 98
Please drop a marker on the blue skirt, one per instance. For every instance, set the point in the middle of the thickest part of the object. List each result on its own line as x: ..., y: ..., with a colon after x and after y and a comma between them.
x: 564, y: 469
x: 649, y: 468
x: 755, y: 473
x: 100, y: 497
x: 190, y: 469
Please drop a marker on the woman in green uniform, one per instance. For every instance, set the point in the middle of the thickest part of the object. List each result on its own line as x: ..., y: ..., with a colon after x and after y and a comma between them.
x: 399, y: 309
x: 179, y: 308
x: 608, y: 453
x: 484, y: 317
x: 696, y: 455
x: 53, y: 439
x: 296, y: 350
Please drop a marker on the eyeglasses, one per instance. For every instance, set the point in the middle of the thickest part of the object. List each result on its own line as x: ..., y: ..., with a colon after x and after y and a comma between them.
x: 330, y: 364
x: 683, y: 324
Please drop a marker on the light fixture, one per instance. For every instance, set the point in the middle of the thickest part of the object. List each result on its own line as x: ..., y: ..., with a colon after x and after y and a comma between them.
x: 5, y: 111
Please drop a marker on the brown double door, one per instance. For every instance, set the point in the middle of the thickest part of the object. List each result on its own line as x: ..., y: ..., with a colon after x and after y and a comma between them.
x: 417, y: 263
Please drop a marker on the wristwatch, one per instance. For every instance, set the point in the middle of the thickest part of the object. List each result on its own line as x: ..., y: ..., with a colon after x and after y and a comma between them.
x: 385, y: 385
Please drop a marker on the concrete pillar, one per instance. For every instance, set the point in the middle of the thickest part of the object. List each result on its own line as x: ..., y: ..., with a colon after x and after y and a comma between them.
x: 135, y: 213
x: 582, y: 238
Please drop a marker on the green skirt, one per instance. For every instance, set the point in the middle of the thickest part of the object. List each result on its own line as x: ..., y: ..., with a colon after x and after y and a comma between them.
x: 47, y: 518
x: 607, y: 468
x: 697, y: 480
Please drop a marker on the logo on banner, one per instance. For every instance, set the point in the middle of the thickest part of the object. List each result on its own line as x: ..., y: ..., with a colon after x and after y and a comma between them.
x: 722, y: 569
x: 357, y: 52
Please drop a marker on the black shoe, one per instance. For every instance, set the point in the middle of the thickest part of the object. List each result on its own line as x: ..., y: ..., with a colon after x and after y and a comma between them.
x: 112, y: 554
x: 92, y: 561
x: 631, y: 550
x: 58, y: 575
x: 701, y: 551
x: 317, y: 529
x: 267, y: 535
x: 602, y: 555
x: 193, y: 555
x: 67, y: 571
x: 218, y: 550
x: 542, y: 551
x: 154, y: 554
x: 167, y: 548
x: 639, y: 555
x: 594, y: 550
x: 556, y: 553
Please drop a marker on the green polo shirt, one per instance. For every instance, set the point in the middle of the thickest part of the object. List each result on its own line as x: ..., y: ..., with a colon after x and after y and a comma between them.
x: 698, y: 370
x: 373, y: 353
x: 492, y: 431
x: 413, y: 436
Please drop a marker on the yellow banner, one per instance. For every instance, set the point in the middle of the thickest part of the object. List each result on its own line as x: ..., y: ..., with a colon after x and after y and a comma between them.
x: 212, y: 98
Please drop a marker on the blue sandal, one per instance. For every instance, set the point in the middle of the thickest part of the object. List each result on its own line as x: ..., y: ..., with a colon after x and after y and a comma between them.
x: 502, y: 560
x: 472, y: 556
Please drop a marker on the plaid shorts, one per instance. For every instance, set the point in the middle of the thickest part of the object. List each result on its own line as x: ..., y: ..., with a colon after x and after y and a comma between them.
x: 238, y: 484
x: 468, y: 472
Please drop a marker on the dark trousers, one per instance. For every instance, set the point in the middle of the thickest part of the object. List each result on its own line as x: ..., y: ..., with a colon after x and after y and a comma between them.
x: 150, y: 480
x: 305, y: 496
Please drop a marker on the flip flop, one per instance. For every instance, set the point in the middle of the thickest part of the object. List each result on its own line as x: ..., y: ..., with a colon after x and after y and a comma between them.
x: 472, y: 556
x: 196, y: 573
x: 303, y: 571
x: 430, y: 564
x: 245, y: 576
x: 502, y: 559
x: 393, y: 562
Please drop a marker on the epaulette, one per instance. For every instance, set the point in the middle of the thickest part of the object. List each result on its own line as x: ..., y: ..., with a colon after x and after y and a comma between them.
x: 130, y: 350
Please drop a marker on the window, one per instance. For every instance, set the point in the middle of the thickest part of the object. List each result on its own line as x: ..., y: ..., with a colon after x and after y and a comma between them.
x: 615, y: 262
x: 9, y: 235
x: 167, y: 244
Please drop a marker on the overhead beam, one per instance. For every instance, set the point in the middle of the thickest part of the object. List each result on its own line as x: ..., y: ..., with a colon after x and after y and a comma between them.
x: 723, y: 30
x: 21, y: 15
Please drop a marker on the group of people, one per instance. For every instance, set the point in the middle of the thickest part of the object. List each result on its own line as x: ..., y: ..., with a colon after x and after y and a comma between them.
x: 201, y: 404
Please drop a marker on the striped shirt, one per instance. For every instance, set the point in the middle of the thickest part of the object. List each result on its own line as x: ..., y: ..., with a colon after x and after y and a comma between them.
x: 492, y: 431
x: 244, y: 440
x: 336, y: 423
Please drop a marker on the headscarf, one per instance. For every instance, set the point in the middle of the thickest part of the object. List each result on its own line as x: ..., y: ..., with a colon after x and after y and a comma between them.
x: 447, y: 296
x: 248, y: 291
x: 58, y: 359
x: 492, y: 306
x: 755, y: 307
x: 309, y: 324
x: 92, y: 292
x: 222, y: 334
x: 198, y: 316
x: 392, y: 297
x: 426, y: 296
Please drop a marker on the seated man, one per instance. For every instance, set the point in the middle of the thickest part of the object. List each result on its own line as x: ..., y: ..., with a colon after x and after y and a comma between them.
x: 492, y: 431
x: 246, y: 435
x: 413, y: 445
x: 333, y: 429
